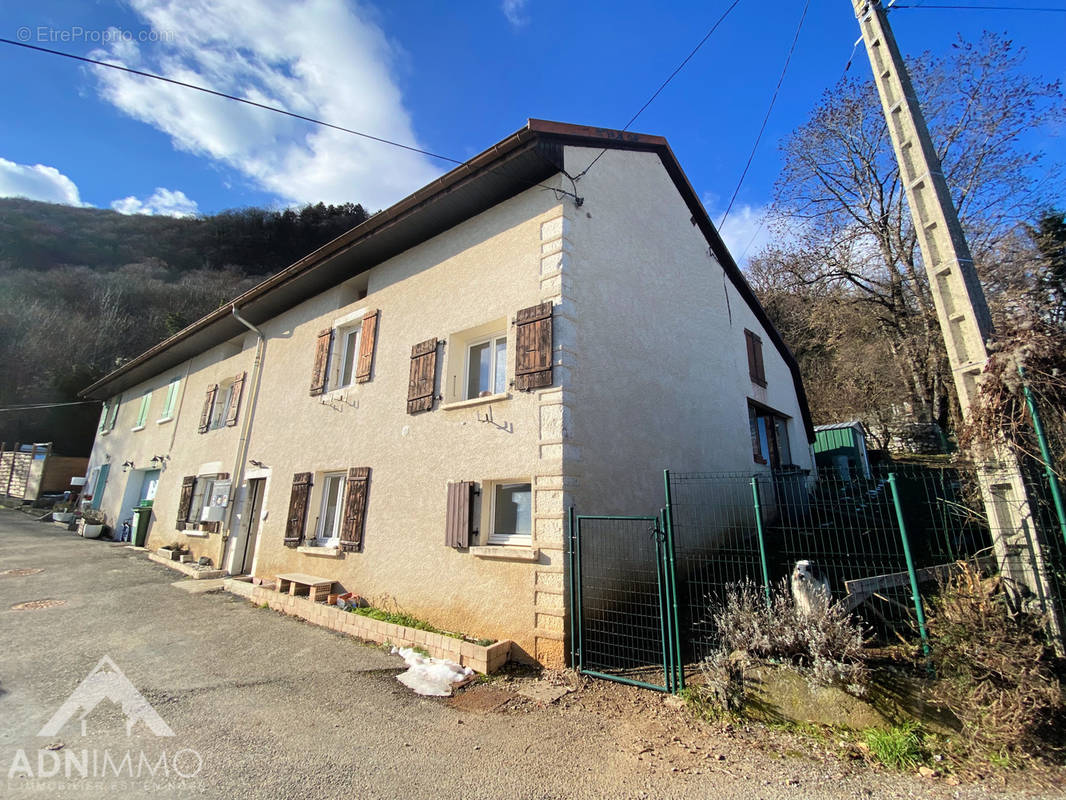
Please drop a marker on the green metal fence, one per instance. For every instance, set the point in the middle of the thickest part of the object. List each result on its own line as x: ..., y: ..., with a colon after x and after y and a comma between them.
x: 643, y: 589
x: 622, y: 622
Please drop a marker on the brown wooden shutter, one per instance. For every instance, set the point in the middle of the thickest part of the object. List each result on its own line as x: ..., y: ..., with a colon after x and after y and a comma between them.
x: 209, y: 403
x: 188, y: 483
x: 235, y: 400
x: 756, y: 370
x: 318, y: 373
x: 355, y: 509
x: 298, y: 500
x: 423, y: 381
x: 533, y: 347
x: 367, y: 338
x: 460, y: 500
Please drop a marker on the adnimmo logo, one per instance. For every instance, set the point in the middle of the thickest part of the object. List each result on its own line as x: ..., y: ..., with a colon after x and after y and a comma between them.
x: 146, y: 767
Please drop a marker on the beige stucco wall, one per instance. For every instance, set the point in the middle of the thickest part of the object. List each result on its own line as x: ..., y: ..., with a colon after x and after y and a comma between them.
x: 650, y: 372
x: 187, y: 451
x: 659, y: 373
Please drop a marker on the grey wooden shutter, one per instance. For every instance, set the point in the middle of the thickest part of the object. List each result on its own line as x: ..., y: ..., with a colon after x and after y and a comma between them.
x: 188, y: 483
x: 420, y: 388
x: 756, y: 370
x: 533, y: 347
x: 209, y: 404
x: 235, y: 400
x: 367, y: 338
x: 355, y: 498
x: 298, y: 500
x: 318, y: 372
x: 460, y: 501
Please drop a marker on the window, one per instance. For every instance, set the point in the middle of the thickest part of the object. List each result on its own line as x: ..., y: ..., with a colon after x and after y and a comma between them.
x: 345, y: 356
x: 202, y: 503
x: 486, y: 367
x: 512, y: 513
x: 769, y: 437
x: 142, y: 414
x: 111, y: 413
x: 223, y: 398
x: 756, y: 367
x: 171, y: 400
x: 201, y: 497
x: 329, y: 515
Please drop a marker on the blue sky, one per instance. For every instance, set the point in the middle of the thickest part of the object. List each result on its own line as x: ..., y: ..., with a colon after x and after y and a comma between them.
x: 452, y: 78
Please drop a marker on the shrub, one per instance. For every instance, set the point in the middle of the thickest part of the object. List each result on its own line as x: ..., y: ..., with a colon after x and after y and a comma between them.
x: 995, y: 670
x: 825, y: 645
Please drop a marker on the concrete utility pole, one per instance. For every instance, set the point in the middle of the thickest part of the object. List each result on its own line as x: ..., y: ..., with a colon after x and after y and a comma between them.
x: 960, y: 302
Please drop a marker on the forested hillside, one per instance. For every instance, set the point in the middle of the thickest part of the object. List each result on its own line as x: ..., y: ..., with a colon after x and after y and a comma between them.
x: 83, y: 290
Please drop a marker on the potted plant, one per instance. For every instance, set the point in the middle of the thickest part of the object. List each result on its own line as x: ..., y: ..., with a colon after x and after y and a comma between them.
x: 61, y: 512
x: 172, y: 551
x: 93, y: 522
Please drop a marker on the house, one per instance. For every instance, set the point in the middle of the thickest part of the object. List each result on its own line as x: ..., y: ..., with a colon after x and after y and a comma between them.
x: 841, y: 446
x: 410, y: 410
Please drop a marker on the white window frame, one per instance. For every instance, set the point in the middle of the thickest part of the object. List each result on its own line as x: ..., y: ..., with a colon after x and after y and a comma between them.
x: 338, y: 513
x: 170, y: 401
x: 220, y: 406
x: 492, y: 390
x: 112, y: 413
x: 496, y: 538
x: 142, y: 412
x: 343, y: 328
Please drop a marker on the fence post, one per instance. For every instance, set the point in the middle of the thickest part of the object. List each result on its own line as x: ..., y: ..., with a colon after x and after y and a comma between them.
x: 1045, y: 453
x: 762, y: 543
x: 910, y: 563
x: 671, y: 580
x: 664, y: 606
x: 573, y: 594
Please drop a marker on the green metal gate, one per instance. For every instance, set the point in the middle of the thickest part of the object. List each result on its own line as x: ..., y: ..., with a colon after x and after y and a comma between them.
x: 623, y: 621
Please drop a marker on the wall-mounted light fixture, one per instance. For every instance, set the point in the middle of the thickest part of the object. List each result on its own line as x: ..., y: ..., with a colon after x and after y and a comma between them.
x: 257, y: 464
x: 159, y: 459
x: 127, y: 465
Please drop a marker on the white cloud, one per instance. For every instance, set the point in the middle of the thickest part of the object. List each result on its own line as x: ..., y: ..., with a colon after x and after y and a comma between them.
x: 745, y: 231
x: 515, y: 11
x: 37, y: 182
x: 162, y: 202
x: 319, y: 58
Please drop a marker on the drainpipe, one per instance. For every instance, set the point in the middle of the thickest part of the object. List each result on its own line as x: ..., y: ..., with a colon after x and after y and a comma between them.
x: 246, y: 426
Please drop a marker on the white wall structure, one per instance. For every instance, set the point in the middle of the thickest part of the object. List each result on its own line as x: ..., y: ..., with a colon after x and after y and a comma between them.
x: 647, y: 367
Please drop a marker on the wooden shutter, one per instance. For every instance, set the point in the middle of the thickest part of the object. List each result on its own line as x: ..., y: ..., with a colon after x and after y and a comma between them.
x: 367, y: 338
x: 423, y: 381
x: 188, y: 483
x: 301, y: 494
x: 235, y: 400
x: 355, y: 498
x: 460, y: 500
x: 318, y: 373
x: 533, y: 347
x: 756, y: 370
x: 209, y: 403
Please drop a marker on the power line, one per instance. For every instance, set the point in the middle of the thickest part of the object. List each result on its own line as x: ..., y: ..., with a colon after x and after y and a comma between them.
x: 766, y: 119
x: 233, y: 97
x: 985, y: 8
x: 672, y: 75
x: 264, y: 106
x: 38, y: 406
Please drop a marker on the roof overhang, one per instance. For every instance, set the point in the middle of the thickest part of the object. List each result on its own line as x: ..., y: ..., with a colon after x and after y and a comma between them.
x: 531, y: 155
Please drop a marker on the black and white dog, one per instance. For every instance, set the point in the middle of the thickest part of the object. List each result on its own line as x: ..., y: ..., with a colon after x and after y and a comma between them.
x: 810, y: 589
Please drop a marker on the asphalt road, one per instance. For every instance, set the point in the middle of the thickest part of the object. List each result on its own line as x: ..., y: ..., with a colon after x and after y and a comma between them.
x: 263, y: 705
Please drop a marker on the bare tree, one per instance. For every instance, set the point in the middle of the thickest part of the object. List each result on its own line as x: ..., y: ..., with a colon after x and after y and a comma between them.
x: 841, y: 219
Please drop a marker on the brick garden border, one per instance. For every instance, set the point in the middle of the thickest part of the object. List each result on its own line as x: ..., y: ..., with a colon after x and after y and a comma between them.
x: 480, y: 659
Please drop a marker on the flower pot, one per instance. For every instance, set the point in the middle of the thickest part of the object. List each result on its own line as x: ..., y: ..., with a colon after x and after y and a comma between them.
x: 62, y: 516
x: 92, y: 531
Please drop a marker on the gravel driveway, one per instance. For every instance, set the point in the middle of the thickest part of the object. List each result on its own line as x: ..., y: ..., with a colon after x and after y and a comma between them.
x: 263, y: 705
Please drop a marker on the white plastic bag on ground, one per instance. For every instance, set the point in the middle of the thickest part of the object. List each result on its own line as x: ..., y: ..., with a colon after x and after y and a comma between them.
x: 433, y: 677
